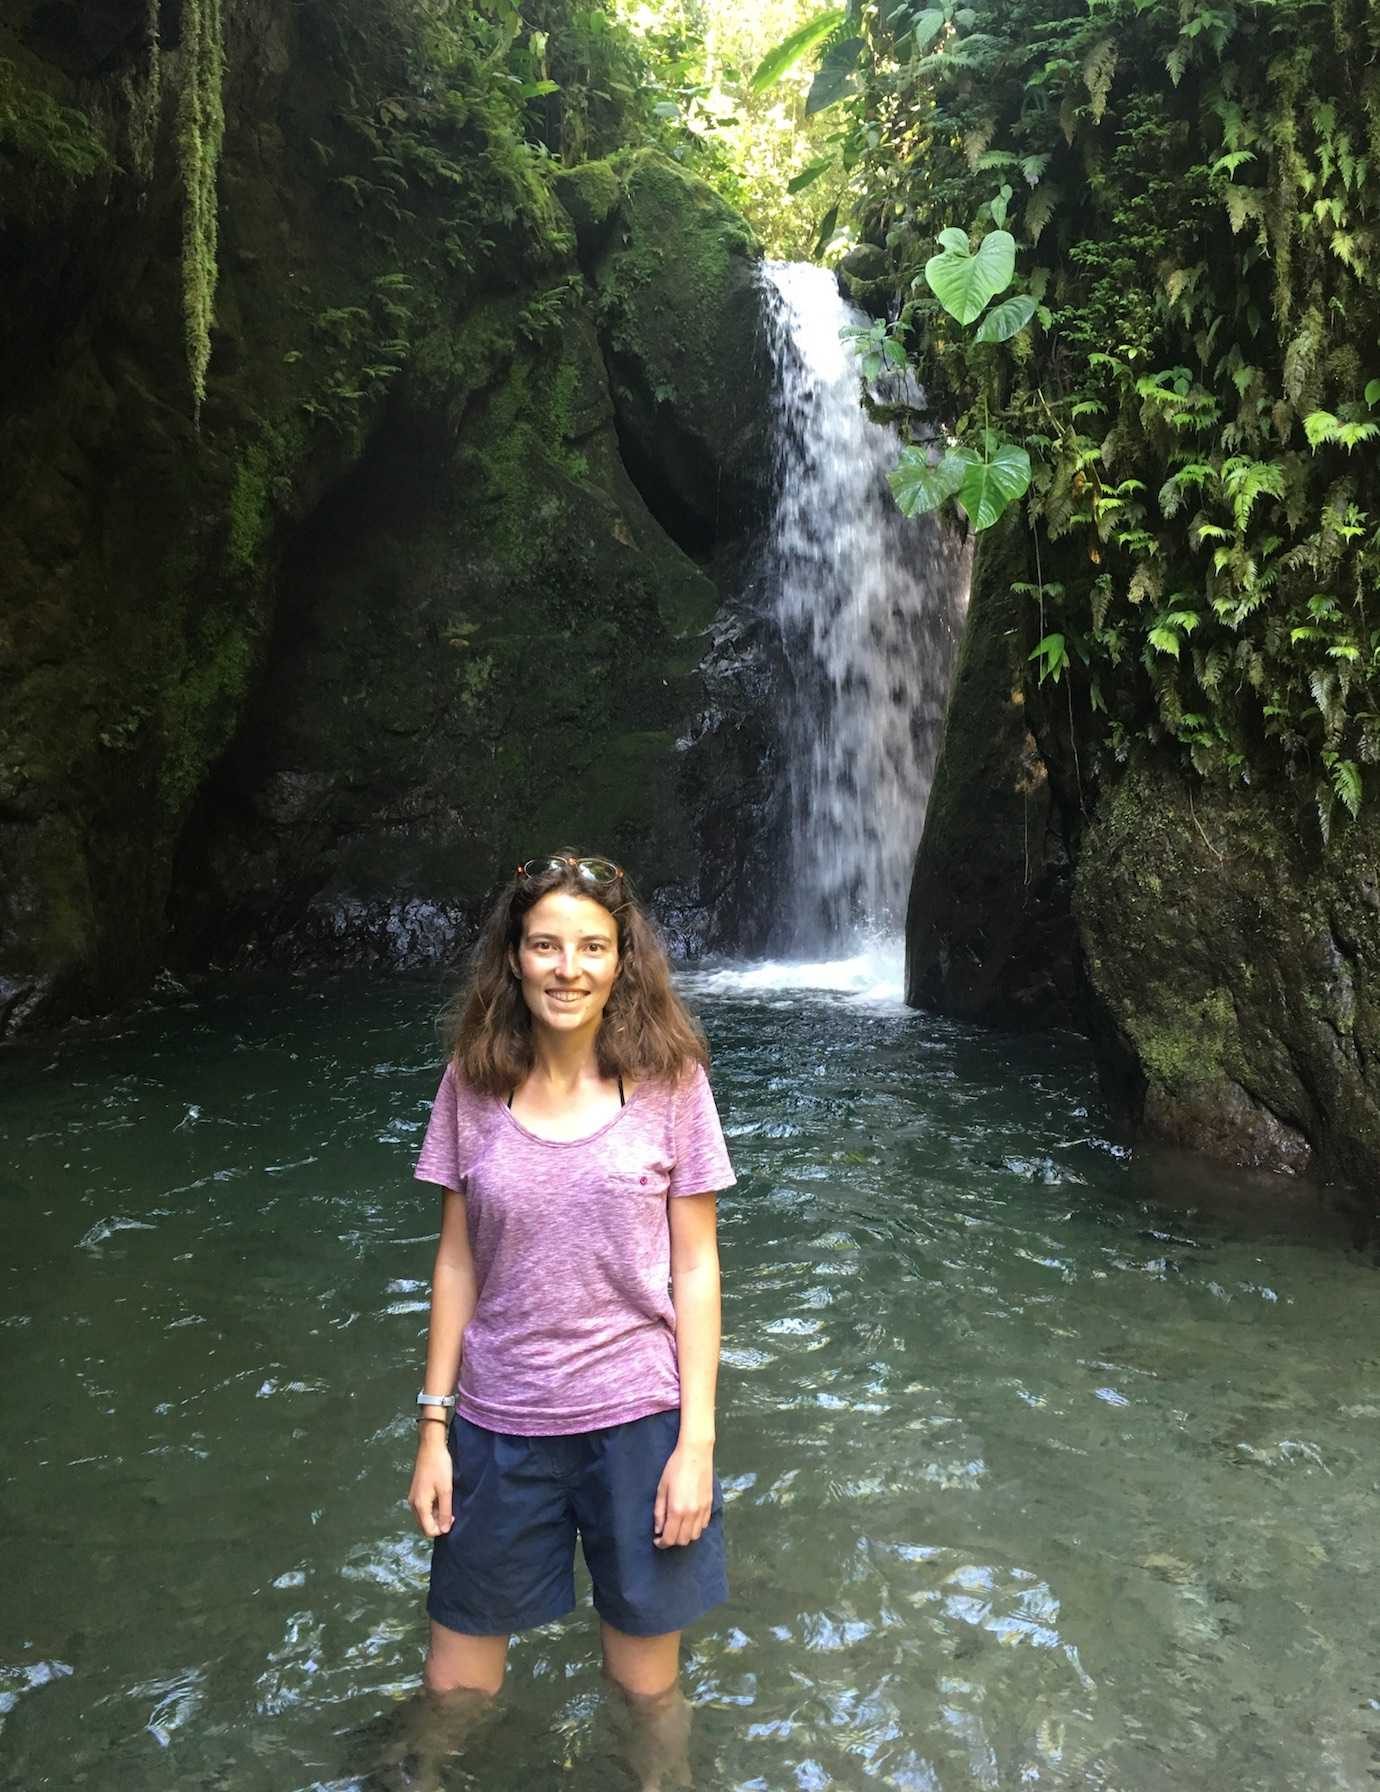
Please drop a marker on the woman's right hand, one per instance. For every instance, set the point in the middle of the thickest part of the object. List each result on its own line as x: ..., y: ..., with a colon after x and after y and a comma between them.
x: 430, y: 1493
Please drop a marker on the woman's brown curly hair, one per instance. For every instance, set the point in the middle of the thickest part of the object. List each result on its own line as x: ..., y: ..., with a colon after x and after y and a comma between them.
x: 646, y: 1033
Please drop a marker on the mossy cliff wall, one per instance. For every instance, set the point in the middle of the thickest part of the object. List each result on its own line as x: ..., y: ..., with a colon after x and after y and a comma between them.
x: 300, y: 663
x: 987, y: 931
x: 1225, y: 962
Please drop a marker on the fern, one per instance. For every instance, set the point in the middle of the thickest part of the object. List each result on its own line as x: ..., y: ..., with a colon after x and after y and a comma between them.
x: 1099, y: 67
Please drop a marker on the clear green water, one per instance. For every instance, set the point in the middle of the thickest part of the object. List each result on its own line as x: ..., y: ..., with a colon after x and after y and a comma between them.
x: 1046, y: 1465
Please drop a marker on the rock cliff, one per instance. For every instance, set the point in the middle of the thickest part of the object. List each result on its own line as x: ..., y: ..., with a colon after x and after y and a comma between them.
x: 362, y: 491
x: 1224, y: 960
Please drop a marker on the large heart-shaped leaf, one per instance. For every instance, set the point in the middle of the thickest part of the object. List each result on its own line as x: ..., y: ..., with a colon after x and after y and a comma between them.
x: 835, y: 76
x: 964, y: 281
x: 1002, y: 321
x: 790, y: 50
x: 918, y: 486
x: 992, y: 479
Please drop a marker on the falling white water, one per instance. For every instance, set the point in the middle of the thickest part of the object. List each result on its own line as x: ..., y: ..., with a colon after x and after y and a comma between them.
x: 869, y: 604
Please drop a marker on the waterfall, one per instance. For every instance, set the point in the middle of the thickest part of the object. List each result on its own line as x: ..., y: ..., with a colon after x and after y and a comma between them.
x: 868, y: 604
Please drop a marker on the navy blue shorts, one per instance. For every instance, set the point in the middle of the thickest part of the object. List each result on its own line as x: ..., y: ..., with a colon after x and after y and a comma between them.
x: 508, y: 1560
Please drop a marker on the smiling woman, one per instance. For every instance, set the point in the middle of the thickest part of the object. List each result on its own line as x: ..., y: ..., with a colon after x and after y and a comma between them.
x: 575, y: 1302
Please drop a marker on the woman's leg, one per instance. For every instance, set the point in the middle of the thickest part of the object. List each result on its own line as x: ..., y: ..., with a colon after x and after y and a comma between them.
x: 461, y: 1677
x: 459, y: 1663
x: 645, y: 1670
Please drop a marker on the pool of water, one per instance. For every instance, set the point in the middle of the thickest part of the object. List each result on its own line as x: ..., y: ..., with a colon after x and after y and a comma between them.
x: 1046, y: 1463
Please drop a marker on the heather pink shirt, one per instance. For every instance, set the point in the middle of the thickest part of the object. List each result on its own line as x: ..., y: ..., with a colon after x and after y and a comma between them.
x: 574, y: 1328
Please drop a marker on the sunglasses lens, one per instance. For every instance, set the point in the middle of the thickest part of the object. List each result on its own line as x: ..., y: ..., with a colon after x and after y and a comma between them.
x: 595, y: 871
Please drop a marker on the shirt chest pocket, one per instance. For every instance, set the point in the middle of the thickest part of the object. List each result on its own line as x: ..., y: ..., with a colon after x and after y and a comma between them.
x: 636, y: 1184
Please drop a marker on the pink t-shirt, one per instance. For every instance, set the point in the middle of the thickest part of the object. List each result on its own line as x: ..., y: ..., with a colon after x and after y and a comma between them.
x: 574, y: 1327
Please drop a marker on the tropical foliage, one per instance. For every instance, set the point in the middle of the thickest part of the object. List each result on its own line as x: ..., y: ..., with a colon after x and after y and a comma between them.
x: 755, y: 138
x: 1192, y: 357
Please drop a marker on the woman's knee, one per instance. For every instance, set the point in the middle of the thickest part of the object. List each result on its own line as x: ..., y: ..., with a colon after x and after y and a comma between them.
x: 645, y: 1669
x: 457, y: 1665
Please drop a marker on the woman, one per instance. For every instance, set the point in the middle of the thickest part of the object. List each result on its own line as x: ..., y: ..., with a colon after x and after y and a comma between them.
x: 578, y: 1148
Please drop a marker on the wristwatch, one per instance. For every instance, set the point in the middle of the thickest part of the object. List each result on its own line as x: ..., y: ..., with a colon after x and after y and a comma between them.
x: 436, y: 1399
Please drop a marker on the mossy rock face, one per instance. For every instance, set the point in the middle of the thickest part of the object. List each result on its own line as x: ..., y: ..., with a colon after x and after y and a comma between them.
x: 1240, y: 960
x: 591, y: 193
x: 681, y: 317
x: 491, y: 651
x: 866, y: 277
x: 989, y: 936
x: 400, y: 321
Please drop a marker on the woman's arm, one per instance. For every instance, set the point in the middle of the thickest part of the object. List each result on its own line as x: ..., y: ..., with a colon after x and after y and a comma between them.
x: 687, y: 1482
x: 454, y: 1294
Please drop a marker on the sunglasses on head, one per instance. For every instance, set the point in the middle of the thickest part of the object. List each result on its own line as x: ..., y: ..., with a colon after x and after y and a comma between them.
x: 594, y: 871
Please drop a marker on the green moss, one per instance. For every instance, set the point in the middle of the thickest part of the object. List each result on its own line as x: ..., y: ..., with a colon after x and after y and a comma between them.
x: 201, y: 705
x: 530, y: 424
x: 565, y: 389
x: 39, y: 127
x: 249, y: 510
x: 264, y: 472
x: 590, y: 194
x: 1193, y: 1047
x: 200, y: 133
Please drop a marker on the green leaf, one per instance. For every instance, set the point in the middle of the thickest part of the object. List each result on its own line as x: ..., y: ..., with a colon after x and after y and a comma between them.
x: 835, y: 76
x: 1373, y: 392
x: 964, y: 282
x: 826, y: 230
x: 1003, y: 321
x: 535, y: 90
x: 809, y: 174
x: 789, y: 51
x: 918, y: 486
x: 1053, y: 654
x: 927, y: 27
x: 1320, y: 427
x: 1165, y: 640
x: 992, y: 479
x: 1346, y: 782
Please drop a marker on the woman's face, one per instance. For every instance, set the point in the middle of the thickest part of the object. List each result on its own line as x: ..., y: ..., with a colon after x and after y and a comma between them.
x: 568, y: 961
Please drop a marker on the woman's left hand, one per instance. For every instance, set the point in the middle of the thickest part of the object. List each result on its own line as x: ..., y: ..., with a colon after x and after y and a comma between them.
x: 683, y: 1496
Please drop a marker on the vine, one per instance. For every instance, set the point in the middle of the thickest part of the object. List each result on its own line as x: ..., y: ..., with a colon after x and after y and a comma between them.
x: 200, y: 133
x: 143, y: 96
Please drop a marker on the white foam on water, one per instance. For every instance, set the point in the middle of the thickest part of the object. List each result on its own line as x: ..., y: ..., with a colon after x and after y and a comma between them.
x: 873, y: 977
